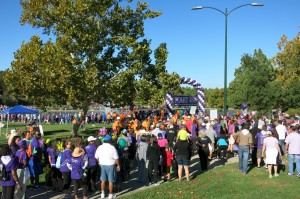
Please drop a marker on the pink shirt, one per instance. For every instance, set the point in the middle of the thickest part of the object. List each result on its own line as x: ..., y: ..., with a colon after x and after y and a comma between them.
x: 162, y: 142
x: 293, y: 140
x: 271, y: 142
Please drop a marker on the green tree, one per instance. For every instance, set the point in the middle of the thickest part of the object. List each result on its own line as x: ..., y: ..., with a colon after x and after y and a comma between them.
x: 253, y: 83
x: 99, y: 54
x: 287, y: 63
x: 214, y: 98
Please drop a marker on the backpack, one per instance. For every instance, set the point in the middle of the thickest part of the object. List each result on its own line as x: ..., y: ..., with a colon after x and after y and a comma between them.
x: 122, y: 143
x: 4, y: 174
x: 29, y: 150
x: 58, y: 161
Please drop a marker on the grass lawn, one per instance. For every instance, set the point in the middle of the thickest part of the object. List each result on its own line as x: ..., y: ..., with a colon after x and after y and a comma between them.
x: 52, y: 131
x: 227, y: 182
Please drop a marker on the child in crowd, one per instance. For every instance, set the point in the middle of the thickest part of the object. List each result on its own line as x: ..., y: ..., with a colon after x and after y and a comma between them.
x: 167, y: 163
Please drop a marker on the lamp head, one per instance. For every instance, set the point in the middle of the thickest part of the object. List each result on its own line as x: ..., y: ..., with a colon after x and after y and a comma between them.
x: 197, y: 8
x: 257, y: 4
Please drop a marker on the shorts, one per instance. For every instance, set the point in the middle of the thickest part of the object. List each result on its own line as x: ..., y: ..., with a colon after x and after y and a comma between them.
x: 108, y: 173
x: 166, y: 169
x: 259, y: 153
x: 182, y: 161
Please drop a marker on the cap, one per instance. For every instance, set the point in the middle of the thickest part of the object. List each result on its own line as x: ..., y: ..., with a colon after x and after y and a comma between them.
x: 107, y: 138
x: 118, y: 118
x: 91, y: 138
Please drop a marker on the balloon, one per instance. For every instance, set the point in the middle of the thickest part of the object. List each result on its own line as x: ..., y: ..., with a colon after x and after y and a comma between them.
x: 181, y: 112
x: 244, y: 105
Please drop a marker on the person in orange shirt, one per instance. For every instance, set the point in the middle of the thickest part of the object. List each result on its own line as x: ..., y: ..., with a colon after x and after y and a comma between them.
x: 108, y: 117
x: 117, y: 124
x: 146, y: 123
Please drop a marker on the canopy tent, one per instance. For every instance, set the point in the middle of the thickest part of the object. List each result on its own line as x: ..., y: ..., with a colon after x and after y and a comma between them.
x: 18, y: 110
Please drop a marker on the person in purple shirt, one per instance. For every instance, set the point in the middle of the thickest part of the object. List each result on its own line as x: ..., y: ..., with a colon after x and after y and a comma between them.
x: 56, y: 174
x: 7, y: 161
x: 77, y: 164
x: 23, y: 170
x: 260, y: 136
x: 90, y: 151
x: 217, y: 128
x: 35, y: 167
x: 66, y: 172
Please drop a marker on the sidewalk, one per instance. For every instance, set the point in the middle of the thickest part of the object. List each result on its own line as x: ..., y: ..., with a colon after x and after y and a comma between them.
x: 127, y: 187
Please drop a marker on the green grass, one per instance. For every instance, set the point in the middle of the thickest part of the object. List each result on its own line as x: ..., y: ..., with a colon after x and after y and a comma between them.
x: 227, y: 182
x: 52, y: 131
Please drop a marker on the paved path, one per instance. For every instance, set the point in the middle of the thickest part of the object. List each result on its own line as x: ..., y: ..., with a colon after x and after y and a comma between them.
x: 127, y: 187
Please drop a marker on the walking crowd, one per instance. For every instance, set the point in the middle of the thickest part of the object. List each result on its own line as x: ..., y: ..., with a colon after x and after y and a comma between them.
x: 159, y: 148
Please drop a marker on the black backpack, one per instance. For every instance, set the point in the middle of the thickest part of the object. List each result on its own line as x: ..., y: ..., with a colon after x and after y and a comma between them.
x: 4, y: 175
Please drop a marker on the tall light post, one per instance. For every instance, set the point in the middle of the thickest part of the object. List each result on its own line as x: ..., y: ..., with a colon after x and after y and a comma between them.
x: 226, y: 13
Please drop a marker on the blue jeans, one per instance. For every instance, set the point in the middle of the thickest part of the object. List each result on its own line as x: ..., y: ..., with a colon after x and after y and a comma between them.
x: 292, y: 158
x: 142, y: 172
x: 281, y: 145
x: 243, y: 158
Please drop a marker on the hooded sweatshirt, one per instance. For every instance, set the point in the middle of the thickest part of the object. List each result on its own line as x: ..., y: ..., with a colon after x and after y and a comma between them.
x: 245, y: 137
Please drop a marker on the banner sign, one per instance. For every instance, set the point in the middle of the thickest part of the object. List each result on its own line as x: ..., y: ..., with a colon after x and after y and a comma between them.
x: 185, y: 100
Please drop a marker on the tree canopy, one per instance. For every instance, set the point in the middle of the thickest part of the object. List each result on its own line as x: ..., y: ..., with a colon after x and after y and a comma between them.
x: 252, y: 83
x: 99, y: 53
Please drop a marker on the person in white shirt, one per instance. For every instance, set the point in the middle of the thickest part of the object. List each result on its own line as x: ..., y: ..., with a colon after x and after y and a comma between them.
x: 107, y: 157
x: 281, y: 130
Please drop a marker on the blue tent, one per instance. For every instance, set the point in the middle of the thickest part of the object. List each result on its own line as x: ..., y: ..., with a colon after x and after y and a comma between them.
x: 20, y: 110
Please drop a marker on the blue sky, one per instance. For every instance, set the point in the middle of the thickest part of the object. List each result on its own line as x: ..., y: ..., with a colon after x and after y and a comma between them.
x: 195, y: 39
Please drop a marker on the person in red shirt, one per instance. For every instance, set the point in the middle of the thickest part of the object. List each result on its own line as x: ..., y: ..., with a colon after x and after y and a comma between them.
x: 167, y: 163
x: 188, y: 124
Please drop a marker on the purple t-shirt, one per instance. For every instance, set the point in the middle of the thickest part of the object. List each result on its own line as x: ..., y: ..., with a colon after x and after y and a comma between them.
x: 217, y: 128
x: 90, y: 151
x: 21, y: 155
x: 193, y: 131
x: 77, y: 164
x: 10, y: 165
x: 260, y: 140
x: 65, y: 157
x: 53, y: 155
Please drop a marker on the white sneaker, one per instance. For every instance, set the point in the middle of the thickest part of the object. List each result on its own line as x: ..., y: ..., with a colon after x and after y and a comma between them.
x: 110, y: 196
x: 276, y: 174
x: 102, y: 195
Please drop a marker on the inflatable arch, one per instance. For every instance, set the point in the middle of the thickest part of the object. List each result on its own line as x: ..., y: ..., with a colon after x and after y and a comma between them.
x: 200, y: 96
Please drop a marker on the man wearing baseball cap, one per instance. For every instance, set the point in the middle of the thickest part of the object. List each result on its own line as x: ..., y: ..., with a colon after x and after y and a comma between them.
x: 107, y: 157
x: 92, y: 164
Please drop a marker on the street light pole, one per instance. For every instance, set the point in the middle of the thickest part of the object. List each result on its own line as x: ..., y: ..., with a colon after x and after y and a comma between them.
x: 226, y: 13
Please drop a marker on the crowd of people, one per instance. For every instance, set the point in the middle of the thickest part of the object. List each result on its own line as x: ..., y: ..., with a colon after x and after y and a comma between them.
x: 159, y: 148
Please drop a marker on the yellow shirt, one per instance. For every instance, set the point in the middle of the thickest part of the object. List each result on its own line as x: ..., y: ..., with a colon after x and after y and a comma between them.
x: 182, y: 135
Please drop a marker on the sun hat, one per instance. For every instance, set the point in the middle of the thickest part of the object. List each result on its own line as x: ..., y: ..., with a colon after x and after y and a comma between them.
x: 91, y: 138
x: 77, y: 152
x: 269, y: 133
x: 107, y: 138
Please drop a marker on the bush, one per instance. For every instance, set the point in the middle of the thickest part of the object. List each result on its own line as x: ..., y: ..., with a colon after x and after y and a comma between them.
x: 293, y: 111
